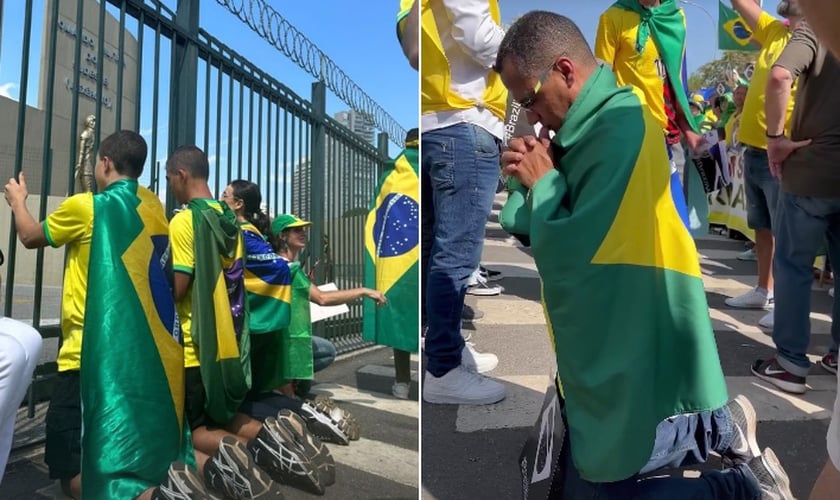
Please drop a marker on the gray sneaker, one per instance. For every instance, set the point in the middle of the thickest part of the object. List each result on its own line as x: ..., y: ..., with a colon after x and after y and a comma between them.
x: 744, y: 446
x: 772, y: 478
x: 470, y: 315
x: 182, y: 483
x: 276, y: 450
x: 232, y: 471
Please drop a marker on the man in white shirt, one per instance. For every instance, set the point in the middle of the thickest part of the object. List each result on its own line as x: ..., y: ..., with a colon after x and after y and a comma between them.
x: 20, y: 350
x: 462, y: 110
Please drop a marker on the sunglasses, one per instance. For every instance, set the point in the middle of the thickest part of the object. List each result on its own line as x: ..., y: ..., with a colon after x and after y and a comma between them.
x: 528, y: 103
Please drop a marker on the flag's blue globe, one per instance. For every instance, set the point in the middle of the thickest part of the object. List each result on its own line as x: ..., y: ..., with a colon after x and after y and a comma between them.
x: 396, y: 230
x: 160, y: 285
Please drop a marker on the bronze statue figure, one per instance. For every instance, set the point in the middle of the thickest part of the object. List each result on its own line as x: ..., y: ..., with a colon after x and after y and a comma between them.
x: 85, y: 163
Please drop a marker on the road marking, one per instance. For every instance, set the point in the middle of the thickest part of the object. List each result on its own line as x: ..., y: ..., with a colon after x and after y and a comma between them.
x: 525, y: 395
x: 773, y: 404
x: 376, y: 401
x: 383, y: 371
x: 380, y: 459
x: 515, y: 311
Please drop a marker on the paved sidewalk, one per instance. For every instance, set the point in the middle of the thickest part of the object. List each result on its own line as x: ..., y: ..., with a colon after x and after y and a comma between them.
x: 472, y: 452
x: 382, y: 464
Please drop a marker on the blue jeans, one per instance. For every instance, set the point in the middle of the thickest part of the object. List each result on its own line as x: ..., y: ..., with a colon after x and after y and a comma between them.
x: 323, y: 353
x: 761, y: 189
x: 802, y: 225
x: 461, y: 165
x: 680, y: 441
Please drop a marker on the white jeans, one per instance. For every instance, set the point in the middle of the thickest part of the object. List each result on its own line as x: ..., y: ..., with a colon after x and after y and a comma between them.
x: 20, y: 350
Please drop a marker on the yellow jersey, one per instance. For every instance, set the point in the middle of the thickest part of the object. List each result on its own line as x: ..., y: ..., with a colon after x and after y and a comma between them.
x: 615, y: 44
x: 183, y: 260
x: 773, y: 35
x: 72, y: 225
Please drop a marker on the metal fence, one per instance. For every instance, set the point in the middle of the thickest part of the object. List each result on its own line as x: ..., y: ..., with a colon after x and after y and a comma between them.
x: 138, y: 65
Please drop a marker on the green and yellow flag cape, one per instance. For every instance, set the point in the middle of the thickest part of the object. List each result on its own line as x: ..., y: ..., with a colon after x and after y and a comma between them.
x: 295, y: 361
x: 269, y: 292
x: 132, y: 366
x: 219, y: 311
x: 621, y: 283
x: 392, y: 252
x: 666, y: 25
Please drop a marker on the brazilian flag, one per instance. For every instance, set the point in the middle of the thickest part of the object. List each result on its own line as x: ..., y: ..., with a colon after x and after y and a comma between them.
x: 267, y: 282
x: 392, y: 235
x: 219, y: 311
x: 733, y: 32
x: 132, y: 366
x: 269, y: 293
x: 296, y: 361
x: 621, y: 283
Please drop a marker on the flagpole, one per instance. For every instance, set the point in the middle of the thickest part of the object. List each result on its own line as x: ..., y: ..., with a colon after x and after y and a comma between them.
x: 712, y: 19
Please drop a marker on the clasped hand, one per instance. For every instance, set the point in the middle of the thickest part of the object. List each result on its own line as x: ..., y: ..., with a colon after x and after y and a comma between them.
x: 528, y: 158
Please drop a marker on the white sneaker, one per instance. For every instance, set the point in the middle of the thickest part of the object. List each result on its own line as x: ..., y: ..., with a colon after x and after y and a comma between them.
x: 477, y: 361
x: 766, y: 321
x: 747, y: 255
x: 750, y: 300
x: 831, y: 291
x: 462, y: 386
x: 477, y: 285
x: 400, y: 390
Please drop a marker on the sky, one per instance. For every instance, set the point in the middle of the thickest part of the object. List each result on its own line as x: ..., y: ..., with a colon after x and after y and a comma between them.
x: 701, y: 19
x: 359, y: 36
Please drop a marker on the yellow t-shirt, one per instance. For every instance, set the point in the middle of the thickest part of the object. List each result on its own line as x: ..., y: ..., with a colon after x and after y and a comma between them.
x: 615, y: 44
x: 405, y: 7
x: 72, y: 225
x: 183, y: 260
x: 773, y: 35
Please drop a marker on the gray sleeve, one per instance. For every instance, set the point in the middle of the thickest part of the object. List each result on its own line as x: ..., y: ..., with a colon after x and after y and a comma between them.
x: 800, y: 51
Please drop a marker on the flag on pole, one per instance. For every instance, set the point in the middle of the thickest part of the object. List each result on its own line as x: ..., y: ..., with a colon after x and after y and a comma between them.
x: 392, y: 251
x: 733, y: 31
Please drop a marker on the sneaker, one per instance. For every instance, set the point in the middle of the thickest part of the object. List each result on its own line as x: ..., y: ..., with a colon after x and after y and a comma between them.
x: 831, y: 292
x: 770, y: 371
x: 462, y: 386
x: 490, y: 274
x: 829, y: 362
x: 400, y: 390
x: 747, y: 255
x: 477, y: 361
x: 310, y: 445
x: 276, y: 450
x: 322, y: 425
x: 182, y: 483
x: 744, y: 446
x: 466, y: 335
x: 343, y: 418
x: 477, y: 285
x: 470, y: 314
x: 766, y: 322
x: 482, y: 289
x: 231, y: 471
x: 772, y: 479
x: 750, y: 300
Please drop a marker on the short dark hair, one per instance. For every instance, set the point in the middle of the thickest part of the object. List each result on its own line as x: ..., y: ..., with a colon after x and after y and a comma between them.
x: 127, y: 150
x: 539, y: 36
x: 192, y: 159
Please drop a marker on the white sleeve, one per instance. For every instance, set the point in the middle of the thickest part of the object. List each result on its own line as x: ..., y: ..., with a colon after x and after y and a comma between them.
x: 474, y: 29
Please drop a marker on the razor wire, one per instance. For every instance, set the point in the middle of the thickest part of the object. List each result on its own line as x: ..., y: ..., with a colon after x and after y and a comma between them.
x: 282, y: 35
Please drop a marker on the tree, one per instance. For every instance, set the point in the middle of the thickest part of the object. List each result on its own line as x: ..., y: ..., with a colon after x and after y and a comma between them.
x: 712, y: 73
